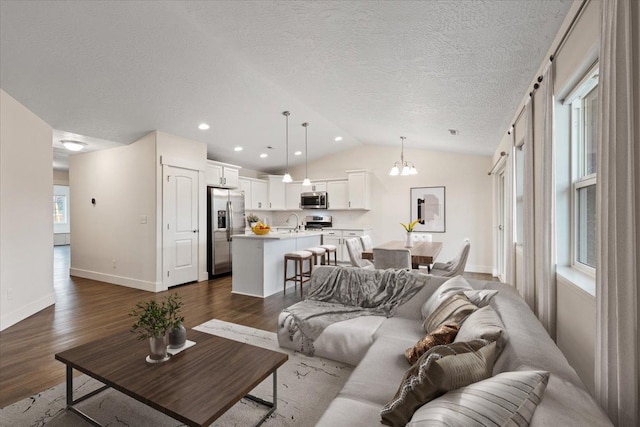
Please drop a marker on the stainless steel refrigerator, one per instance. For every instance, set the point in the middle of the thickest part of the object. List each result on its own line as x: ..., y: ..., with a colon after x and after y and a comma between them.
x: 225, y: 215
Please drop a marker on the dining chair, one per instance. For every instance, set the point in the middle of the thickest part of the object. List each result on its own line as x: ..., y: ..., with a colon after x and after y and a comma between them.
x: 354, y: 247
x: 454, y: 267
x: 391, y: 258
x: 367, y: 244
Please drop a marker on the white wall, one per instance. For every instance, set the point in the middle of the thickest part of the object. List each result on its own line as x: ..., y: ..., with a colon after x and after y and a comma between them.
x: 60, y: 177
x: 468, y: 196
x: 26, y: 226
x: 108, y: 242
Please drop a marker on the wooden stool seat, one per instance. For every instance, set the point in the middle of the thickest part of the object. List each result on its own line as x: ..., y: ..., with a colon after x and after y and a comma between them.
x: 298, y: 258
x: 331, y: 249
x: 317, y: 251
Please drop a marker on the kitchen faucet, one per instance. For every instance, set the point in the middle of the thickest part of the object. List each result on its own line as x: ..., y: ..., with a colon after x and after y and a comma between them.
x: 297, y: 221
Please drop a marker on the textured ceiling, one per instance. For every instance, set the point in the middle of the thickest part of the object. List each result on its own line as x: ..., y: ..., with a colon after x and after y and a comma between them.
x: 368, y: 71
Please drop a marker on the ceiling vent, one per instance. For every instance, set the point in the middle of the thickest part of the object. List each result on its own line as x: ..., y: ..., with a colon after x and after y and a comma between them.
x: 453, y: 132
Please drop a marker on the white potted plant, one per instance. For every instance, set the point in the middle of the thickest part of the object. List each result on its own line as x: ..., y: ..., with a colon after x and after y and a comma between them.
x: 252, y: 219
x: 409, y: 229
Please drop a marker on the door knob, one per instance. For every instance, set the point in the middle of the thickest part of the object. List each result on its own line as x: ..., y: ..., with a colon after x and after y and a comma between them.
x: 195, y: 231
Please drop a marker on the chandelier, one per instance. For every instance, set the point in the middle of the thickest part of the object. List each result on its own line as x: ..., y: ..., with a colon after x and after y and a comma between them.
x: 402, y: 167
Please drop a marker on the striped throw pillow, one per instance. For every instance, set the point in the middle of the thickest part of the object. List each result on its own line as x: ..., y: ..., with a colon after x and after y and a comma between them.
x: 509, y: 398
x: 454, y: 309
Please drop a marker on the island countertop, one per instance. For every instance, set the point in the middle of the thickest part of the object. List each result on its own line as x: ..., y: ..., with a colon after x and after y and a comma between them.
x: 274, y: 235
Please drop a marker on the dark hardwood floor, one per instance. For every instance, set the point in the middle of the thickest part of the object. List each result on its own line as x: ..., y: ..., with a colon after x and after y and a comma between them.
x: 86, y: 310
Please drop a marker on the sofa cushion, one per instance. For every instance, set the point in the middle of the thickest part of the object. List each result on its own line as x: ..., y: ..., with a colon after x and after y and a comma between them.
x: 443, y: 368
x: 402, y: 328
x: 358, y: 414
x: 453, y: 310
x: 509, y: 398
x: 349, y: 340
x: 455, y: 286
x: 483, y: 323
x: 445, y: 334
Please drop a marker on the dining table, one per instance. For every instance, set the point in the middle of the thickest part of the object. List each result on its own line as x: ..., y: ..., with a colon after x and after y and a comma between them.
x: 422, y: 253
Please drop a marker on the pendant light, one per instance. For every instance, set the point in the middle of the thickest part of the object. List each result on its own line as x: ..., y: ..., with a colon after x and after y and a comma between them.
x: 287, y: 176
x: 402, y: 167
x: 306, y: 181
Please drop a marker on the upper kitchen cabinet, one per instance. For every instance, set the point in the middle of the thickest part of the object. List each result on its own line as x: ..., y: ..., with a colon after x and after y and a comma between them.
x: 222, y: 174
x: 317, y: 186
x: 338, y: 195
x: 292, y: 195
x: 255, y: 193
x: 359, y: 189
x: 275, y: 193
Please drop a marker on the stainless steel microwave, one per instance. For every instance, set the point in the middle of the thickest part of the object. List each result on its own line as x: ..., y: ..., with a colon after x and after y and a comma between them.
x: 314, y: 200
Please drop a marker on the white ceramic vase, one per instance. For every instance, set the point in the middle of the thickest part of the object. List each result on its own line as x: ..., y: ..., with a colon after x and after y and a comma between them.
x: 409, y: 242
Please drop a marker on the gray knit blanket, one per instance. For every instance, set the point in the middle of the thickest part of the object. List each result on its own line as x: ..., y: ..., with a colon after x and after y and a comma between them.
x: 342, y: 293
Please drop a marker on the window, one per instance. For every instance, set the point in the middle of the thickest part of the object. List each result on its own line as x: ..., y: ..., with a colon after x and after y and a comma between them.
x: 59, y: 209
x: 584, y: 130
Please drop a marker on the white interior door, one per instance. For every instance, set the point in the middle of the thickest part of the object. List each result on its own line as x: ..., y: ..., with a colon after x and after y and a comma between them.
x: 180, y: 223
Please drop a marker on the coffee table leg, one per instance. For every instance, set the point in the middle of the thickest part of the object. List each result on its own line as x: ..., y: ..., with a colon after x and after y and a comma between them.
x: 273, y: 405
x: 71, y: 402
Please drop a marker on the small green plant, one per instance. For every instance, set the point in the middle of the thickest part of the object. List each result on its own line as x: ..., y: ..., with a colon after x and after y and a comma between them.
x: 252, y: 218
x: 409, y: 227
x: 154, y: 319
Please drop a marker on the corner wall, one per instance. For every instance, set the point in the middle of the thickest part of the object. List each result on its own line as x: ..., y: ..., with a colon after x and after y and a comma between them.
x: 114, y: 240
x: 26, y: 223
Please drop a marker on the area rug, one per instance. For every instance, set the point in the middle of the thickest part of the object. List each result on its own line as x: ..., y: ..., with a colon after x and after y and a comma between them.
x: 306, y: 386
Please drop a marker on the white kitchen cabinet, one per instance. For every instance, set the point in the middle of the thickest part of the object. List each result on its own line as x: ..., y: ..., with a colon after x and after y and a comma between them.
x: 292, y: 195
x: 359, y: 190
x: 337, y: 237
x: 337, y: 195
x: 316, y: 186
x: 245, y: 185
x: 275, y: 193
x: 222, y: 174
x: 259, y: 195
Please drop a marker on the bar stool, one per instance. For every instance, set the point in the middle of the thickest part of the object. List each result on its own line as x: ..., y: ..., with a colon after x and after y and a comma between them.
x: 317, y: 252
x: 331, y: 249
x: 298, y: 258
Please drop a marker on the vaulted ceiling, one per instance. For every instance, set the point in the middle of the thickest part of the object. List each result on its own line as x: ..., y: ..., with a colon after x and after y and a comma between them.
x: 112, y: 71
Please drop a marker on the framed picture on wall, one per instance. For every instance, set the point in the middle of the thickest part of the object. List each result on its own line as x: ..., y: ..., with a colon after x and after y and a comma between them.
x: 429, y: 204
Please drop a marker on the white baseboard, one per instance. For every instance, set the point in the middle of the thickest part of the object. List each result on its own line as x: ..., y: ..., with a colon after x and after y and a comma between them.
x: 25, y: 311
x: 487, y: 269
x: 118, y: 280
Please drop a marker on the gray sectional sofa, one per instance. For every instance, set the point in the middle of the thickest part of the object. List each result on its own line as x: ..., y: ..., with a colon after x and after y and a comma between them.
x: 376, y: 344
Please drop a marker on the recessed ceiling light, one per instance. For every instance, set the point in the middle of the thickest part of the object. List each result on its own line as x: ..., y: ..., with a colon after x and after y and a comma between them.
x: 238, y: 148
x: 73, y: 145
x: 297, y: 153
x: 263, y: 155
x: 338, y: 138
x: 203, y: 126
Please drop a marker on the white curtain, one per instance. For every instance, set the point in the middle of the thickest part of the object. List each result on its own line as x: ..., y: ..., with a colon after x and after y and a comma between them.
x: 617, y: 373
x: 545, y: 200
x: 510, y: 177
x: 528, y: 250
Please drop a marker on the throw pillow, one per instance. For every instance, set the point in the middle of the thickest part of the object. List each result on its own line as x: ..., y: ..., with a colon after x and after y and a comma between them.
x: 484, y: 323
x: 443, y: 368
x: 453, y: 286
x: 453, y: 310
x: 443, y: 335
x: 509, y: 398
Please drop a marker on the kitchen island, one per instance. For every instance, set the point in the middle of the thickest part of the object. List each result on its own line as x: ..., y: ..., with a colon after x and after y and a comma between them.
x: 258, y: 261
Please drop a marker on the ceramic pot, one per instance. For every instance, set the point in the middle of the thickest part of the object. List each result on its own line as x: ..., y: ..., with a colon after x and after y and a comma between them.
x: 177, y: 336
x: 158, y: 349
x: 409, y: 242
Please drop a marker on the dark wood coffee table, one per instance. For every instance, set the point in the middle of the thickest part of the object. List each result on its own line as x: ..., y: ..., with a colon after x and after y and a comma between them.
x: 196, y: 386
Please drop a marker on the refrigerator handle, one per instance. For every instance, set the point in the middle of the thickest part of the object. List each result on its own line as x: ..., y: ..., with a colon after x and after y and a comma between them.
x: 229, y: 219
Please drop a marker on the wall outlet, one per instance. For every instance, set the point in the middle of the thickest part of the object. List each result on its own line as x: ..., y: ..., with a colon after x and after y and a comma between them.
x: 113, y: 261
x: 143, y: 219
x: 9, y: 294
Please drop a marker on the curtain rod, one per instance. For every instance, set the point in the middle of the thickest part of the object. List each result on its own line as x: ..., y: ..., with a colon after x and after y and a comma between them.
x: 553, y: 55
x: 502, y: 154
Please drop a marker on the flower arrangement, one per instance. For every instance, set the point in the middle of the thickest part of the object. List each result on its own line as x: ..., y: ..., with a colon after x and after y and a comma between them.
x: 252, y: 218
x: 154, y: 319
x: 409, y: 227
